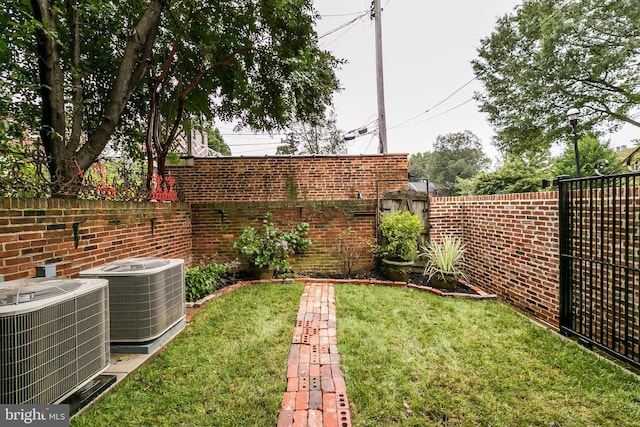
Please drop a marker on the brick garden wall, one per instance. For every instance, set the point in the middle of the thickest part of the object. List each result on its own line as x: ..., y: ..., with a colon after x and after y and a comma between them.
x: 34, y: 232
x: 290, y: 179
x: 336, y: 195
x: 512, y: 245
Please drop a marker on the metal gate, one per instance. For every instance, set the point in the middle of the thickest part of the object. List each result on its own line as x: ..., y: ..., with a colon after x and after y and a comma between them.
x: 600, y: 263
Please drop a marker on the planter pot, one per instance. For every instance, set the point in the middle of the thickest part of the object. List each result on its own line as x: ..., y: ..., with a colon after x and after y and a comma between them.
x: 445, y: 281
x: 398, y: 271
x: 262, y: 273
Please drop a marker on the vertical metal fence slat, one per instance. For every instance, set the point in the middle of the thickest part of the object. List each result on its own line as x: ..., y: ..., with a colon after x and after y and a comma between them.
x: 599, y: 227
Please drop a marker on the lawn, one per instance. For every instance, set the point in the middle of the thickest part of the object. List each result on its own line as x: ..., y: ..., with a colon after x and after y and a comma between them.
x: 409, y: 359
x: 413, y: 359
x: 227, y: 368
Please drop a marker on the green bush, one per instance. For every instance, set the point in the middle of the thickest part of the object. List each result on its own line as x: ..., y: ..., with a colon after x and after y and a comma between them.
x: 271, y: 247
x: 204, y: 280
x: 399, y: 236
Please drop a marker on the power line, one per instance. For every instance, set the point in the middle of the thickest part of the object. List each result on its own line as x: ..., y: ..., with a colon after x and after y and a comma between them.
x: 338, y: 28
x: 551, y: 16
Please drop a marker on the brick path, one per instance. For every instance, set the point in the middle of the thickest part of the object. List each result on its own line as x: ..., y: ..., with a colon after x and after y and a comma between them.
x: 316, y: 393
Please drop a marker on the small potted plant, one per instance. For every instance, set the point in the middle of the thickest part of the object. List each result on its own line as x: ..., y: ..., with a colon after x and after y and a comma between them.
x: 399, y: 244
x: 443, y: 260
x: 269, y: 248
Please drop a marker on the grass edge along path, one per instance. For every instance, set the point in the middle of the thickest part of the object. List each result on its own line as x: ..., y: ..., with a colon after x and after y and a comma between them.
x: 226, y: 368
x: 414, y: 359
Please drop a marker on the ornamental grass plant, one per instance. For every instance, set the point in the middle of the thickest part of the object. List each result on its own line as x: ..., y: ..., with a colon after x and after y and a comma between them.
x: 444, y: 259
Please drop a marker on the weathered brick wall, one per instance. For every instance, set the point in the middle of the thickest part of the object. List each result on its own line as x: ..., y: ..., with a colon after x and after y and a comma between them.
x: 336, y: 195
x: 290, y: 179
x: 217, y: 225
x: 34, y: 232
x: 512, y: 245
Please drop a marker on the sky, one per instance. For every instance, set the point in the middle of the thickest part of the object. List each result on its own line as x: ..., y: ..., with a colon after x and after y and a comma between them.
x: 429, y: 82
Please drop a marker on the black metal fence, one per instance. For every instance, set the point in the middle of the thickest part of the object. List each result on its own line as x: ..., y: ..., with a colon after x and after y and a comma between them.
x: 600, y: 263
x: 24, y: 174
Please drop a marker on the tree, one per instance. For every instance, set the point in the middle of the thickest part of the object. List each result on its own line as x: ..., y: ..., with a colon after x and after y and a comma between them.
x: 548, y: 56
x: 317, y: 136
x: 455, y: 156
x: 215, y: 141
x: 254, y: 61
x: 516, y: 175
x: 417, y: 166
x: 81, y: 92
x: 590, y: 151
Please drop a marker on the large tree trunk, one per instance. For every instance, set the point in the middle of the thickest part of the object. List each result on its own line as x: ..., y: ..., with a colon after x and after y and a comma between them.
x: 67, y: 158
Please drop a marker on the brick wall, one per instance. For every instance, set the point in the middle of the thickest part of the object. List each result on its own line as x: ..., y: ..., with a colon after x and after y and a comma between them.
x: 292, y: 179
x: 34, y: 232
x: 336, y: 195
x: 512, y: 245
x: 217, y: 225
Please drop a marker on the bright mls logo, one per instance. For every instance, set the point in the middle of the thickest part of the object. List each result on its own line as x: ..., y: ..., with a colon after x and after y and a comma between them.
x: 34, y: 415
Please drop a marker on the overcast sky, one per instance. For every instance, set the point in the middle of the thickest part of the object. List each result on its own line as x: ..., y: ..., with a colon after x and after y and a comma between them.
x: 428, y: 47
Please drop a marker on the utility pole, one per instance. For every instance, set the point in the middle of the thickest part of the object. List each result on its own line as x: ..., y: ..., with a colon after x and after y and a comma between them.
x: 382, y: 120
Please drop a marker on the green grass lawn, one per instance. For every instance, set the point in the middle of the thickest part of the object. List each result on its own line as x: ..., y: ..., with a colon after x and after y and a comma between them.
x: 413, y: 359
x: 227, y: 368
x: 409, y: 359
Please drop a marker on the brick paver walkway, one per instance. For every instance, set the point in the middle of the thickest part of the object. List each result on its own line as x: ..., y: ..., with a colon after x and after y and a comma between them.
x: 316, y: 392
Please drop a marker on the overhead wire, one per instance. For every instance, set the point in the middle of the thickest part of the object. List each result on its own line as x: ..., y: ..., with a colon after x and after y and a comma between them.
x: 338, y: 28
x: 551, y: 16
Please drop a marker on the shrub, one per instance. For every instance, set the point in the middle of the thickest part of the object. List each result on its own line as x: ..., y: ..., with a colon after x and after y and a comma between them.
x: 399, y: 236
x: 203, y: 280
x: 270, y: 247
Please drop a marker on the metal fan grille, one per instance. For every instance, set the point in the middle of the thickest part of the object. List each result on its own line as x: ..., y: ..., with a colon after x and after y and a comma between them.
x: 30, y: 290
x: 48, y: 352
x: 135, y: 264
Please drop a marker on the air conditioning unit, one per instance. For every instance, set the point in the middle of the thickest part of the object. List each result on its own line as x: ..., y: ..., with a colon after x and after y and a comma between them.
x: 146, y: 296
x: 54, y: 337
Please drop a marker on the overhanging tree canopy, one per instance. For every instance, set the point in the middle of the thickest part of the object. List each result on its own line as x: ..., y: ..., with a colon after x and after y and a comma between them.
x: 548, y: 56
x: 256, y: 61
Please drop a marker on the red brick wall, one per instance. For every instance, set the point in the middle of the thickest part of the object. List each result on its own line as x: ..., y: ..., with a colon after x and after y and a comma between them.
x: 332, y: 193
x: 512, y: 245
x: 36, y: 232
x: 217, y: 226
x: 283, y: 178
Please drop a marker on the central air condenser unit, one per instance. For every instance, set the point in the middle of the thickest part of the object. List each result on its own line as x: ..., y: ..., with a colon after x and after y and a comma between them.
x: 54, y: 337
x: 146, y: 296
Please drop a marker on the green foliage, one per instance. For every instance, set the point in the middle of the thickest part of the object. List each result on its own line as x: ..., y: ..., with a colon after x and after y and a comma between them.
x: 254, y: 62
x: 399, y: 232
x: 444, y: 258
x: 548, y: 56
x: 590, y: 150
x: 270, y: 247
x: 201, y: 281
x: 417, y: 166
x: 216, y: 142
x: 516, y: 175
x: 454, y: 156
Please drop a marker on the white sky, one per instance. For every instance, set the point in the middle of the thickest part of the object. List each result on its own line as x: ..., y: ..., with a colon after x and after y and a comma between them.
x: 428, y: 47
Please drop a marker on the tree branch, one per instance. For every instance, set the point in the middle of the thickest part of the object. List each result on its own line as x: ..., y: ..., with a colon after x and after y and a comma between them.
x: 76, y: 80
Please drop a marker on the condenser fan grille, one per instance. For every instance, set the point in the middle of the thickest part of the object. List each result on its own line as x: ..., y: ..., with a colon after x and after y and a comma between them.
x: 135, y: 264
x: 31, y: 290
